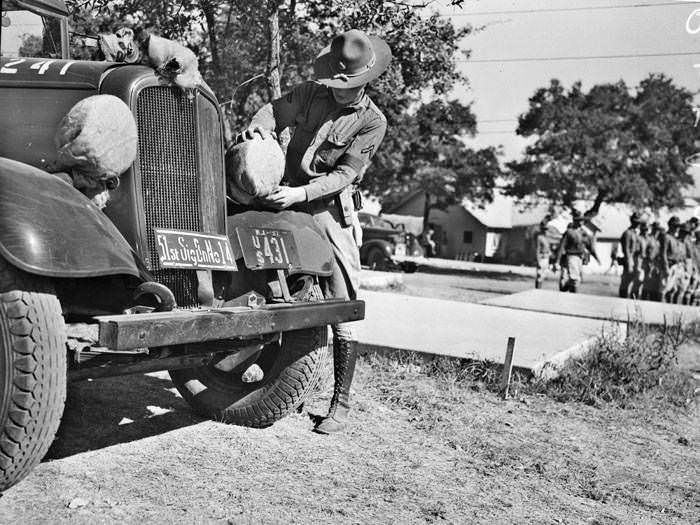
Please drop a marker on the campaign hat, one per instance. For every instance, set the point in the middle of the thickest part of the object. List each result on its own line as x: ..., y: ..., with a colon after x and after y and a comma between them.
x: 353, y: 59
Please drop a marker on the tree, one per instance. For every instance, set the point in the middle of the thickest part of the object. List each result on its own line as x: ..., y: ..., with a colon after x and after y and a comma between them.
x: 241, y: 44
x: 610, y: 144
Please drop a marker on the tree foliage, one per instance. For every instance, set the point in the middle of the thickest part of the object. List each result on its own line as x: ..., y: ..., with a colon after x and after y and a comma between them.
x: 609, y: 144
x: 235, y: 40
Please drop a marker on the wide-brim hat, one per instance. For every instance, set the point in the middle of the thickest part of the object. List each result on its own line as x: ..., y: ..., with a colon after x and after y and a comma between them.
x: 352, y: 60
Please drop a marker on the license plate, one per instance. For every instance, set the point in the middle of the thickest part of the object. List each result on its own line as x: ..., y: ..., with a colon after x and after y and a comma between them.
x: 268, y: 248
x: 194, y: 250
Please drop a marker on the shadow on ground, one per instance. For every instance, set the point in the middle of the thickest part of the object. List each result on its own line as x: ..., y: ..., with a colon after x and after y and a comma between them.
x: 484, y: 274
x: 109, y: 411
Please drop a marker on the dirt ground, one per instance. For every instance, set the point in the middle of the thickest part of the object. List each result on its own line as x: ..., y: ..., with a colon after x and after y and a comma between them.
x: 421, y: 449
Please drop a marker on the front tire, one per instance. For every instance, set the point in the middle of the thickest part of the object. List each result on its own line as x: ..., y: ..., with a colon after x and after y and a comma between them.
x: 32, y: 371
x: 291, y: 368
x: 376, y: 259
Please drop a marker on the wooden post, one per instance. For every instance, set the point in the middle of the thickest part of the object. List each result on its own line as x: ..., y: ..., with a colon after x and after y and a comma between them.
x: 507, y: 368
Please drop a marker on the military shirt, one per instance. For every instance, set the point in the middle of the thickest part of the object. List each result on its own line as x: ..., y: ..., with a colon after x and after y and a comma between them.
x: 543, y: 247
x: 651, y: 251
x: 670, y: 251
x: 331, y: 145
x: 576, y: 241
x: 630, y: 245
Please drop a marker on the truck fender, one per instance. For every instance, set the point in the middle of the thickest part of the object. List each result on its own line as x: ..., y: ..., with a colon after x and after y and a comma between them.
x: 384, y: 245
x: 315, y: 252
x: 49, y: 228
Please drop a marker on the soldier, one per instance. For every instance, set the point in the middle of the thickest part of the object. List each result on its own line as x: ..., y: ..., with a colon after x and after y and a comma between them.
x: 543, y: 251
x: 670, y: 256
x: 695, y: 293
x: 643, y: 239
x: 651, y: 265
x: 694, y: 249
x: 629, y: 242
x: 686, y: 249
x: 574, y: 247
x: 337, y: 129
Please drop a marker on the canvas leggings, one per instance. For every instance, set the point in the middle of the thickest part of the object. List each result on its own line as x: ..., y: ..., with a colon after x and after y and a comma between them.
x: 672, y: 283
x: 542, y: 267
x: 652, y: 279
x: 570, y: 277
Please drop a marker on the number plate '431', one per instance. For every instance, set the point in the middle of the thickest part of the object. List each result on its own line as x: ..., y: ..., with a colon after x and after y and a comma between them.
x: 268, y: 248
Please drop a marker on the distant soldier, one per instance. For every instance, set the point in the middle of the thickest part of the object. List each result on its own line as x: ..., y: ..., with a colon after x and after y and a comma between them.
x: 694, y: 248
x: 685, y: 250
x: 671, y: 257
x: 651, y: 264
x: 543, y: 251
x: 695, y: 293
x: 643, y: 240
x: 575, y: 247
x: 629, y: 242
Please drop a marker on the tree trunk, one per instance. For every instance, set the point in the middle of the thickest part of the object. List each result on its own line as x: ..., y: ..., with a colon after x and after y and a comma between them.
x: 274, y: 84
x: 273, y: 58
x: 209, y: 11
x: 426, y: 211
x: 597, y: 203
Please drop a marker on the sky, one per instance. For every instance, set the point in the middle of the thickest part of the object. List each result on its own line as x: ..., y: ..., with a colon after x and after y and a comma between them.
x: 546, y: 29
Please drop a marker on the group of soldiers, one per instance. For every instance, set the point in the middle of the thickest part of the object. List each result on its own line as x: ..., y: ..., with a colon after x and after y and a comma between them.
x: 658, y: 263
x: 661, y: 264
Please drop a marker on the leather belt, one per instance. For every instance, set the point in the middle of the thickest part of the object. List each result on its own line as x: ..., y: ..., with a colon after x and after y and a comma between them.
x: 321, y: 204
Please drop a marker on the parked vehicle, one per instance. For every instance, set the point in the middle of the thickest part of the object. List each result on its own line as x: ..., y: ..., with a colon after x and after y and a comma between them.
x: 164, y: 278
x: 384, y: 246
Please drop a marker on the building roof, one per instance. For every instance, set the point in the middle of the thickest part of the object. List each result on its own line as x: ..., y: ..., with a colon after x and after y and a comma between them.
x: 504, y: 212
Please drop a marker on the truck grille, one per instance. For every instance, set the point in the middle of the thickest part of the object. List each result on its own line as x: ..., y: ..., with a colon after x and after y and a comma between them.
x: 168, y: 150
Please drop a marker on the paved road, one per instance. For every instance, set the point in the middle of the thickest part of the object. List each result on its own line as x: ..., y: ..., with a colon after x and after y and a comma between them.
x: 474, y: 287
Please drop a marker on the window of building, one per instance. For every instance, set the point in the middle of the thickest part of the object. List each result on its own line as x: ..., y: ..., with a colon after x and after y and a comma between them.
x: 467, y: 237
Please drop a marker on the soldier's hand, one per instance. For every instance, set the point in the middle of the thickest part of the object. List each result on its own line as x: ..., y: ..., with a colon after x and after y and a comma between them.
x: 284, y: 196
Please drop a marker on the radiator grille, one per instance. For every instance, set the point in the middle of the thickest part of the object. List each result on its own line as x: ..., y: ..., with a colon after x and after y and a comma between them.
x: 170, y: 184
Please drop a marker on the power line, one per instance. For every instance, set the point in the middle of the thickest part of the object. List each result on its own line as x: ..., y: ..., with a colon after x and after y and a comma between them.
x: 591, y: 57
x: 567, y: 9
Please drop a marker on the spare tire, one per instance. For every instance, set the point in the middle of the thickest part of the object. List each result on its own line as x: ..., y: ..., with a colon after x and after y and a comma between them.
x: 288, y: 370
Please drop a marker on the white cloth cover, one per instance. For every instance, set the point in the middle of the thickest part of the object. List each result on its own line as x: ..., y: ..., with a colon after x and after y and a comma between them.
x: 254, y: 168
x: 97, y: 139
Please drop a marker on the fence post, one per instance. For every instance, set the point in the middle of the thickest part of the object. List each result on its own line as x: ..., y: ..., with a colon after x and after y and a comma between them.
x: 507, y: 368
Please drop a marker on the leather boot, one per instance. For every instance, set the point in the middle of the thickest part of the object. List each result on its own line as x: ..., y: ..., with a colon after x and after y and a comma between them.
x: 344, y: 358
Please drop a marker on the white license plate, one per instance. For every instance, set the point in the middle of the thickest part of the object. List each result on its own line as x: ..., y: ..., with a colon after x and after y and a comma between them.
x: 194, y: 250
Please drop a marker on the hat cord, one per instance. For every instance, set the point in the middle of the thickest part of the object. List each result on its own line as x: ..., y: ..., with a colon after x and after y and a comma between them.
x: 369, y: 65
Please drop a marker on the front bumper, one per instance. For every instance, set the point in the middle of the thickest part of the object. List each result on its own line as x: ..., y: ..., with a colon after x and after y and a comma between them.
x: 126, y: 332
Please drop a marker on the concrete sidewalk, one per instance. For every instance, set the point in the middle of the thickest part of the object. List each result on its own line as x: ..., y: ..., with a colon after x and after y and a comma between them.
x: 475, y: 331
x: 596, y: 307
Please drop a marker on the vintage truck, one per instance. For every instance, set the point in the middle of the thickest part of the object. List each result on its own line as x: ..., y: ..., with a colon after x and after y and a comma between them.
x: 166, y: 277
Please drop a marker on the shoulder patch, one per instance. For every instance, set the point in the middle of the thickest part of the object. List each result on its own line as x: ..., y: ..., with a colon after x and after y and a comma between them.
x: 368, y: 150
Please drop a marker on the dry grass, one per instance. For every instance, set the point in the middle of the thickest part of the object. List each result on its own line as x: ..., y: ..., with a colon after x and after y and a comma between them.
x: 429, y: 442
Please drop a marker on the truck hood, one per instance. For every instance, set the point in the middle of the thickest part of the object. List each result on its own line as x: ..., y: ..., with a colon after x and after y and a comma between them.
x: 42, y: 71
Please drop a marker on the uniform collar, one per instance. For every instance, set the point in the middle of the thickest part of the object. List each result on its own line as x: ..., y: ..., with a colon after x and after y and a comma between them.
x: 362, y: 103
